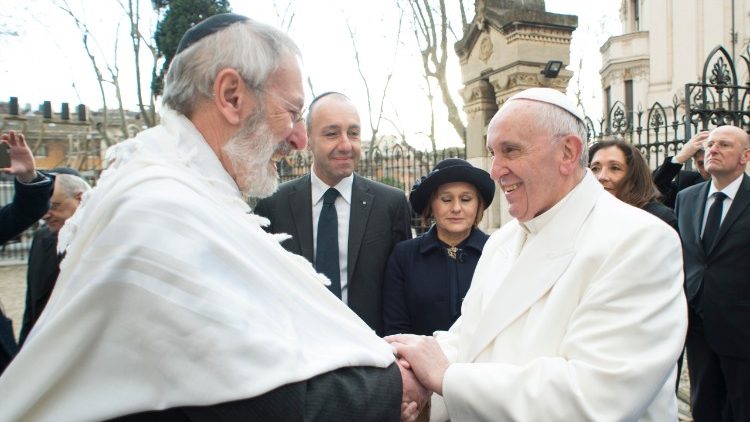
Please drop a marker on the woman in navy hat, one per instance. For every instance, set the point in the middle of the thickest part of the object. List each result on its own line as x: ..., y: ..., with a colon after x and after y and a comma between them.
x: 427, y: 277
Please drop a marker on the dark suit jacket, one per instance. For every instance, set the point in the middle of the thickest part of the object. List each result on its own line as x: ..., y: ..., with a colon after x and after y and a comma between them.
x: 670, y: 179
x: 717, y: 281
x: 41, y: 275
x: 29, y: 205
x: 379, y: 219
x: 347, y: 394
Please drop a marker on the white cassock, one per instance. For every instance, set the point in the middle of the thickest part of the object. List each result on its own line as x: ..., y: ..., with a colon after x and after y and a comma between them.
x: 172, y: 294
x: 584, y: 324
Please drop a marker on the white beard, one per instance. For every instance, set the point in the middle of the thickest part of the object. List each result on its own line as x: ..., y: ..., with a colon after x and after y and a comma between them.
x: 251, y: 151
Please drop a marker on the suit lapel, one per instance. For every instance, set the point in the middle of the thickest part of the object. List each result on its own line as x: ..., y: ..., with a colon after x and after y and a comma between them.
x: 361, y: 205
x: 300, y: 206
x: 697, y: 217
x: 739, y: 203
x: 525, y: 284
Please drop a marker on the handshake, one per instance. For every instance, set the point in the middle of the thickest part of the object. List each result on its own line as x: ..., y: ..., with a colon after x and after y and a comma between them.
x: 423, y: 365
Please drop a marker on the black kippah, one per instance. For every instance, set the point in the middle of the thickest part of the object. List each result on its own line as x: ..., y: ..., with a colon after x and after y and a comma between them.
x: 207, y: 27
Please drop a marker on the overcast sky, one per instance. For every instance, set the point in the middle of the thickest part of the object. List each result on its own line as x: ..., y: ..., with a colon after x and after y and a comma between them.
x: 42, y: 56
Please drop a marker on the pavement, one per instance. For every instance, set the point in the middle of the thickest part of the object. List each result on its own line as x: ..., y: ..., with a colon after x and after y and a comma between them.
x: 13, y: 293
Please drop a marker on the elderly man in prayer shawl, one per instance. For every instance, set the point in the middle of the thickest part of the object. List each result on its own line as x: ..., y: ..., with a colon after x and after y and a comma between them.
x: 172, y: 302
x: 576, y: 310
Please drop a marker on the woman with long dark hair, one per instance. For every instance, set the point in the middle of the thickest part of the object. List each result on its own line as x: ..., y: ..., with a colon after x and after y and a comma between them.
x: 622, y: 170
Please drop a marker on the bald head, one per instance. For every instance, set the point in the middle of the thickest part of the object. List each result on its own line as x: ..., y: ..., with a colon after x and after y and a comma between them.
x: 334, y: 137
x: 323, y: 99
x: 727, y: 154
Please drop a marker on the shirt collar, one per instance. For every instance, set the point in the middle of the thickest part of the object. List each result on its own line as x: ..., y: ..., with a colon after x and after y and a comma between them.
x: 344, y: 186
x: 730, y: 190
x: 430, y: 241
x: 537, y: 224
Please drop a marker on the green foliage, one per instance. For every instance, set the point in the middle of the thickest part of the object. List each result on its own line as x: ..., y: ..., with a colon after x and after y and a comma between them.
x: 180, y: 16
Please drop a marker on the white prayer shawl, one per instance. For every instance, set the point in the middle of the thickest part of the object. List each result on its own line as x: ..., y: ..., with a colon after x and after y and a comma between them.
x: 172, y: 294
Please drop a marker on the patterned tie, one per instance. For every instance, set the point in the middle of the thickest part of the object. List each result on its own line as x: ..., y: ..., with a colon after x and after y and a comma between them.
x: 327, y: 254
x: 713, y: 221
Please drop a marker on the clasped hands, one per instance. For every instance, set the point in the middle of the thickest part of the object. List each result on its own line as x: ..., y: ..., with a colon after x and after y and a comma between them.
x: 423, y: 365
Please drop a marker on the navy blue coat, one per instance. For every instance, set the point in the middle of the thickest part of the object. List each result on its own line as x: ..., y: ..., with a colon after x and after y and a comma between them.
x: 424, y: 288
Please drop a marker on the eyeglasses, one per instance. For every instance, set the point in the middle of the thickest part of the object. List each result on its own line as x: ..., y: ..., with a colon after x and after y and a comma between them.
x: 296, y: 113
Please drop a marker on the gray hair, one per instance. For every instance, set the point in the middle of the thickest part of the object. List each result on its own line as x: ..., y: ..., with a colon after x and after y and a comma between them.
x: 71, y: 185
x: 559, y: 122
x: 252, y: 48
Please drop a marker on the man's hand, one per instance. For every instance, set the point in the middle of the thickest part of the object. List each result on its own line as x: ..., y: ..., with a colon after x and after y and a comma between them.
x: 21, y: 160
x: 415, y: 396
x: 694, y: 145
x: 424, y: 356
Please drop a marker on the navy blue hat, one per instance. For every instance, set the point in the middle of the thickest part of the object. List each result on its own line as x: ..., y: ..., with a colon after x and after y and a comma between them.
x: 207, y: 27
x: 448, y: 171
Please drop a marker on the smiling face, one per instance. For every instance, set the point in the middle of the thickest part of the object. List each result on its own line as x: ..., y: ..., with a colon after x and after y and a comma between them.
x: 531, y: 166
x: 454, y: 207
x: 334, y: 138
x: 610, y: 167
x: 268, y: 133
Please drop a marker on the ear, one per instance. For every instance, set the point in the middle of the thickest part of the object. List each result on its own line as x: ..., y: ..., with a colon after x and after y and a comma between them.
x: 571, y: 154
x: 231, y: 96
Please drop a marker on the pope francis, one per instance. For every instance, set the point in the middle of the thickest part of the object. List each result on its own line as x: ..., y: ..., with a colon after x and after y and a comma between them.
x: 576, y: 311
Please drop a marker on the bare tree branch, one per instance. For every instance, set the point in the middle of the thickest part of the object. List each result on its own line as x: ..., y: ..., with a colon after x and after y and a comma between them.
x: 434, y: 53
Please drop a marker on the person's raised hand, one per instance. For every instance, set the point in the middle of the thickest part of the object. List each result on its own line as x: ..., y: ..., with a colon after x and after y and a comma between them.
x: 21, y: 160
x: 692, y: 146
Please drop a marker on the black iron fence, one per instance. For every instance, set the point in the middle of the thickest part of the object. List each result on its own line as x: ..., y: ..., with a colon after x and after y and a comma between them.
x: 716, y: 100
x: 398, y: 166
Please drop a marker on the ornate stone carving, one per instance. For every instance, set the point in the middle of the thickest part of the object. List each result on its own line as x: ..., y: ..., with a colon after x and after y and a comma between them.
x: 541, y: 35
x: 486, y: 49
x: 479, y: 18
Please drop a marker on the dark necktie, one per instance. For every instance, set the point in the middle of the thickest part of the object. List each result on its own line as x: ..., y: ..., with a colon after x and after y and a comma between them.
x: 713, y: 221
x: 327, y: 254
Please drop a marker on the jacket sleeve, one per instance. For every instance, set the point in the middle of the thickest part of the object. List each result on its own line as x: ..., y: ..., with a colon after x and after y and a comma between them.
x: 30, y: 202
x: 664, y: 175
x: 395, y: 307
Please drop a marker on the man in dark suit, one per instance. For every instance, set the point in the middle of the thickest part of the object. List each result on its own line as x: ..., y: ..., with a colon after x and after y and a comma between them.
x: 670, y: 178
x: 30, y: 202
x: 714, y: 222
x: 44, y: 261
x: 371, y: 217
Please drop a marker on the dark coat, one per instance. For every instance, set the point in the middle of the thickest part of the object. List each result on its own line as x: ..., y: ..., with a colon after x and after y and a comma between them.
x: 670, y: 179
x: 379, y: 219
x: 721, y: 274
x: 41, y: 275
x: 30, y: 202
x: 424, y: 288
x: 662, y: 211
x: 29, y: 205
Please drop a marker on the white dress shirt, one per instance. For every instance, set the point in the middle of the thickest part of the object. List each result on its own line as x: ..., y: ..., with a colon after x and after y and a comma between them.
x: 343, y: 206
